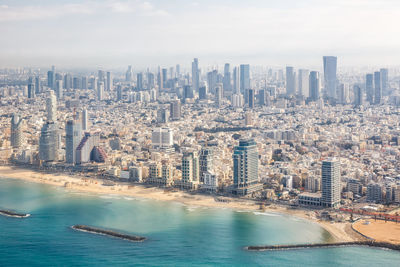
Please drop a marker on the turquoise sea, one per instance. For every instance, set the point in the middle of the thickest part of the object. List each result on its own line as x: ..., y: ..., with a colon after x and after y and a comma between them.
x: 177, y: 235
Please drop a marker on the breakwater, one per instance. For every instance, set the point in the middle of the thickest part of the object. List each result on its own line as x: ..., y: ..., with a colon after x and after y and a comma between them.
x: 368, y: 243
x: 95, y: 230
x: 10, y: 213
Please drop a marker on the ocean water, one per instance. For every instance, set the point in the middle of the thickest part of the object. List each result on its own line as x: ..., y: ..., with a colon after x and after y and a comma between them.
x: 177, y: 235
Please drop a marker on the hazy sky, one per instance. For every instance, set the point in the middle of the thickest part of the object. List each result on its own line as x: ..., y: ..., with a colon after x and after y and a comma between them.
x: 114, y: 33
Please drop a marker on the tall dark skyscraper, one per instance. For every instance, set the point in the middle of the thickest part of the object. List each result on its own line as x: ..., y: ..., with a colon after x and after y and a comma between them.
x: 377, y: 88
x: 244, y: 78
x: 195, y: 75
x: 203, y: 92
x: 261, y: 97
x: 314, y: 85
x: 51, y: 77
x: 188, y: 92
x: 369, y: 88
x: 330, y: 66
x: 38, y: 86
x: 358, y: 95
x: 31, y: 90
x: 150, y: 81
x: 290, y: 81
x: 175, y: 109
x: 251, y: 98
x: 139, y: 81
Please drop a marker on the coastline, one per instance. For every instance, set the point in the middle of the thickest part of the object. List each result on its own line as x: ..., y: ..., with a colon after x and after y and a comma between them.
x: 340, y: 232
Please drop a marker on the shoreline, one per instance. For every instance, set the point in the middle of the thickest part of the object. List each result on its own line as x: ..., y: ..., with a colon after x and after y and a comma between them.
x: 340, y: 232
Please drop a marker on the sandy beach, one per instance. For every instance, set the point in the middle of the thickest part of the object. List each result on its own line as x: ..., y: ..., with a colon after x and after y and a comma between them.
x: 379, y: 230
x: 340, y: 231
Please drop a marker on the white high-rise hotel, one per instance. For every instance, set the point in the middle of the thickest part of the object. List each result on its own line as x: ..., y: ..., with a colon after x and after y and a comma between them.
x: 331, y: 188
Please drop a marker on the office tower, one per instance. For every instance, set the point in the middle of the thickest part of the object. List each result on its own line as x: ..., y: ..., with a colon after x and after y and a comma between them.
x: 195, y: 75
x: 261, y: 97
x: 177, y: 71
x: 93, y: 83
x: 303, y: 82
x: 244, y: 78
x: 16, y: 131
x: 203, y: 92
x: 84, y: 150
x: 358, y: 95
x: 139, y: 81
x: 343, y: 93
x: 251, y: 98
x: 162, y: 115
x: 330, y: 65
x: 160, y: 80
x: 212, y: 80
x: 377, y: 88
x: 51, y: 77
x: 164, y: 77
x: 85, y: 120
x: 206, y: 161
x: 369, y: 87
x: 38, y: 86
x: 290, y: 81
x: 190, y: 167
x: 188, y: 92
x: 227, y: 78
x: 109, y: 82
x: 219, y: 92
x: 245, y: 164
x: 84, y: 84
x: 175, y: 110
x: 384, y: 81
x: 31, y: 90
x: 73, y: 138
x: 236, y: 80
x: 331, y: 188
x: 129, y: 74
x: 314, y: 85
x: 150, y: 81
x: 59, y: 89
x: 48, y: 142
x: 51, y: 106
x: 119, y: 92
x: 67, y: 81
x: 100, y: 91
x: 162, y: 137
x: 76, y: 83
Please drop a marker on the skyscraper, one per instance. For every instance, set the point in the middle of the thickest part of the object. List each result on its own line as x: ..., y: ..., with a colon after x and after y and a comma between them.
x: 139, y: 81
x: 175, y: 109
x: 261, y: 97
x: 206, y: 161
x: 150, y: 81
x: 38, y: 86
x: 245, y: 165
x: 100, y: 91
x: 59, y: 89
x: 16, y: 131
x: 330, y: 65
x: 51, y: 106
x: 227, y: 78
x: 358, y: 95
x: 377, y: 88
x: 384, y: 81
x: 190, y: 167
x: 31, y: 90
x: 244, y: 77
x: 109, y: 82
x: 51, y: 78
x: 314, y: 85
x: 85, y: 120
x: 369, y: 87
x: 236, y: 80
x: 304, y: 83
x: 251, y: 98
x: 129, y: 74
x: 162, y: 137
x: 290, y: 81
x: 72, y: 140
x: 331, y: 188
x: 195, y: 75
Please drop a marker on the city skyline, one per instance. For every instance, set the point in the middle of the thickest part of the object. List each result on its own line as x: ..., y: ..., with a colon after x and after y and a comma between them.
x: 150, y: 33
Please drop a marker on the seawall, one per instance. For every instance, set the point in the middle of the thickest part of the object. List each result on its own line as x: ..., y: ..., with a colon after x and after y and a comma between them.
x: 95, y: 230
